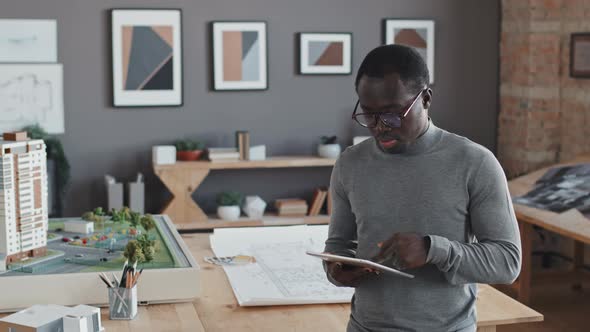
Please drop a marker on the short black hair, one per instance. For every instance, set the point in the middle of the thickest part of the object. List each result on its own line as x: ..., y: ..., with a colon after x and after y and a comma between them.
x: 395, y: 58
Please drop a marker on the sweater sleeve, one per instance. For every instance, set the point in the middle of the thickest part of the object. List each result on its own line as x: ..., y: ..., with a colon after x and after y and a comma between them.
x: 342, y: 234
x: 496, y: 256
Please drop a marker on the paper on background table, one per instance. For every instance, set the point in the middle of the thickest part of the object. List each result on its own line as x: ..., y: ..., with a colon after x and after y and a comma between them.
x: 283, y: 273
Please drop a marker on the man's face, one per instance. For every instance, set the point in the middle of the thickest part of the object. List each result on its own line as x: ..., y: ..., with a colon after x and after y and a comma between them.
x: 389, y: 94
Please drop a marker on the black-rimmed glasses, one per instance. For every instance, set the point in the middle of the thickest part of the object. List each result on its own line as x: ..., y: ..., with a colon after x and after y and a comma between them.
x: 390, y: 119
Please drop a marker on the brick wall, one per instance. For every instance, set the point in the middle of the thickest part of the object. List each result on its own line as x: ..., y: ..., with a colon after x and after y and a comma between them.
x: 544, y: 114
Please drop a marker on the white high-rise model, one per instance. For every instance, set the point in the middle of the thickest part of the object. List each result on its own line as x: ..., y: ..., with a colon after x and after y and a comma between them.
x: 23, y: 198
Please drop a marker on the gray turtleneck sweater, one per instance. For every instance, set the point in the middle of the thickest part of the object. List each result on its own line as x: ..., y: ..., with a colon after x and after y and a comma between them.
x: 443, y: 186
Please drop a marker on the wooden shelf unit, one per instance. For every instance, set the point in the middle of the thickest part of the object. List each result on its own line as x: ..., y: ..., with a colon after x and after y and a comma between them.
x: 184, y: 177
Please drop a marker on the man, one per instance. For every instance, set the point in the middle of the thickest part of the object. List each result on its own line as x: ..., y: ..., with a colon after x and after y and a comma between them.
x: 417, y: 198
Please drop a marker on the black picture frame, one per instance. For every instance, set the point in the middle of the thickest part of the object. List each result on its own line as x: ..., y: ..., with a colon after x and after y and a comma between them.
x: 575, y: 40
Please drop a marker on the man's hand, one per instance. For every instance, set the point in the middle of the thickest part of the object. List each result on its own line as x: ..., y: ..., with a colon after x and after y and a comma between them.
x: 404, y: 251
x: 348, y: 275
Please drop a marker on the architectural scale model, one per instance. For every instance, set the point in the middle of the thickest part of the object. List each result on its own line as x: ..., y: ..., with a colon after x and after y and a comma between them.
x: 23, y: 198
x: 52, y: 317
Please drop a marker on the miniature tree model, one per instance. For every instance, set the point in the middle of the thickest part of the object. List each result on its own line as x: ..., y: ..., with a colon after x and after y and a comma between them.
x: 119, y: 216
x: 135, y: 219
x: 133, y: 252
x: 97, y: 216
x: 99, y: 212
x: 147, y: 222
x: 147, y: 247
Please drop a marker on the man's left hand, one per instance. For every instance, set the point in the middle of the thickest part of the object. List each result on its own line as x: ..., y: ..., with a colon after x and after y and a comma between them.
x: 404, y: 250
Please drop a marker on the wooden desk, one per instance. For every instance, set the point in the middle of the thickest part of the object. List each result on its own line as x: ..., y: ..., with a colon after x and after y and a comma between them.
x: 570, y: 225
x: 218, y: 311
x: 184, y: 177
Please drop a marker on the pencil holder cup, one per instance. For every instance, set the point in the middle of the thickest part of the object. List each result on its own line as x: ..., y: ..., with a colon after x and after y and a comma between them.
x: 122, y: 303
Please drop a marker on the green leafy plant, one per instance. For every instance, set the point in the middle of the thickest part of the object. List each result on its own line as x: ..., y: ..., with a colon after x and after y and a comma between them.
x: 55, y: 152
x: 188, y: 145
x: 329, y: 139
x: 230, y: 198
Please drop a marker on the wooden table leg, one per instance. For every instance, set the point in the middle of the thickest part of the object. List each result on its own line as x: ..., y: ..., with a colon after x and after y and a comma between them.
x: 182, y: 209
x: 578, y: 262
x: 524, y: 279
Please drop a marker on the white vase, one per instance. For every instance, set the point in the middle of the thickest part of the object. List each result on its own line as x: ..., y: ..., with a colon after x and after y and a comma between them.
x: 329, y: 150
x: 254, y: 207
x: 229, y: 213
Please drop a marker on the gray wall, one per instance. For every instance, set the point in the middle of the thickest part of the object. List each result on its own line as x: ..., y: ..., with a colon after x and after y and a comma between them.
x: 288, y: 118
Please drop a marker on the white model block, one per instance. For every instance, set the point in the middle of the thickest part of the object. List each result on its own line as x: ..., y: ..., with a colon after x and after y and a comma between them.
x: 2, y: 263
x: 258, y: 152
x: 75, y: 324
x: 35, y: 318
x: 92, y: 315
x: 52, y: 317
x: 254, y: 207
x: 164, y: 154
x: 79, y: 226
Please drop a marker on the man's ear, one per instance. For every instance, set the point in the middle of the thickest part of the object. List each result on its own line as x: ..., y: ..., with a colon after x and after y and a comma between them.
x: 427, y: 99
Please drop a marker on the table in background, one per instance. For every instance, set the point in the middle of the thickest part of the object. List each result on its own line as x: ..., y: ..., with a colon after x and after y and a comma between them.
x: 576, y: 227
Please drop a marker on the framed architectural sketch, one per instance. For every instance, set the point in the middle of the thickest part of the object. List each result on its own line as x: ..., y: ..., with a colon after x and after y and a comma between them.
x: 325, y: 53
x: 26, y: 41
x: 147, y: 57
x: 418, y: 34
x: 239, y: 56
x: 31, y: 94
x: 580, y: 55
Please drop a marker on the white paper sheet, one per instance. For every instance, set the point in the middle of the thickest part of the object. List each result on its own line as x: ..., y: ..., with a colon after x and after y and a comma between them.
x: 283, y: 273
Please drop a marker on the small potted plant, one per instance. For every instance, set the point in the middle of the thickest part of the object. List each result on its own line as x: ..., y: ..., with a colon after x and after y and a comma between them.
x: 328, y: 147
x: 229, y: 205
x: 189, y: 150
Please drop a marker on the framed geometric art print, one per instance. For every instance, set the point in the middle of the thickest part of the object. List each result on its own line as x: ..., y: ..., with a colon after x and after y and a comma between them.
x: 325, y: 53
x: 418, y: 34
x: 239, y: 56
x: 147, y: 57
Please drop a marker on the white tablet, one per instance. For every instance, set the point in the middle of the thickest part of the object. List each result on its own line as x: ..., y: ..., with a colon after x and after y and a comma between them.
x: 359, y: 262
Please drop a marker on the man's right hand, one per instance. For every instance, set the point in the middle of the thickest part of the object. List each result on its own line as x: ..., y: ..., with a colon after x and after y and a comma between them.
x: 348, y: 275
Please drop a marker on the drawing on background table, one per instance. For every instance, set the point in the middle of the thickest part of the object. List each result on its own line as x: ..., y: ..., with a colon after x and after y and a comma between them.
x: 282, y: 273
x: 561, y: 189
x: 31, y: 94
